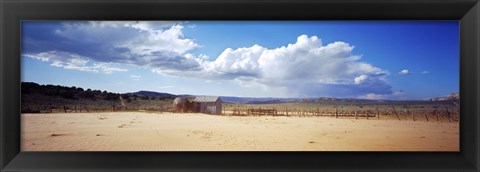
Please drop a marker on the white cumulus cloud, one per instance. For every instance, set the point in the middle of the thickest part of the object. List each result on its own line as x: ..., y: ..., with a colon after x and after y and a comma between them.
x: 304, y: 68
x: 75, y: 62
x: 404, y: 72
x: 425, y: 72
x: 142, y: 43
x: 360, y: 79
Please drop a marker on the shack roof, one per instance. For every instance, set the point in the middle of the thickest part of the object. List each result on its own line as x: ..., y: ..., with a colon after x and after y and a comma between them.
x: 206, y: 99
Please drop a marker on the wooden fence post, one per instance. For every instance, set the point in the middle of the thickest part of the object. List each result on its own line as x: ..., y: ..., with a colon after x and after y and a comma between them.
x: 356, y: 113
x: 395, y: 112
x: 378, y: 113
x: 426, y: 116
x: 435, y: 113
x: 448, y: 115
x: 413, y: 116
x: 336, y: 112
x: 86, y: 108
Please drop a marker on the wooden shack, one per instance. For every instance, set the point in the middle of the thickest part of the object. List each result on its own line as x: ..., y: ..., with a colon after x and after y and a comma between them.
x: 208, y: 104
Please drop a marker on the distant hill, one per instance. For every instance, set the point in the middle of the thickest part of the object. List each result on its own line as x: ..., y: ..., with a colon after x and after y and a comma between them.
x: 153, y: 94
x: 450, y: 97
x: 38, y: 98
x: 32, y: 92
x: 255, y: 99
x: 70, y: 93
x: 332, y: 101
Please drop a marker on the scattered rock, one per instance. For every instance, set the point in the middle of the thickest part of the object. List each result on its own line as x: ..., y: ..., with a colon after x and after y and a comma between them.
x: 101, y: 117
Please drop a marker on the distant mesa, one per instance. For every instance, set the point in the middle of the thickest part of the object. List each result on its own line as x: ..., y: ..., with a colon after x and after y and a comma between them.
x: 452, y: 96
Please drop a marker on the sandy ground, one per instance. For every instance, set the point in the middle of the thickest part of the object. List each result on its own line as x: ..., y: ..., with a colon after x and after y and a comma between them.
x: 141, y: 131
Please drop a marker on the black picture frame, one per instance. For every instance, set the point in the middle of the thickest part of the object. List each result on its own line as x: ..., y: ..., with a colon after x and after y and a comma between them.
x: 14, y: 11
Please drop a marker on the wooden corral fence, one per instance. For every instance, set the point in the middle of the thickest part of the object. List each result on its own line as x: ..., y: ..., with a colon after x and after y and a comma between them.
x: 79, y: 108
x: 272, y: 112
x: 436, y: 114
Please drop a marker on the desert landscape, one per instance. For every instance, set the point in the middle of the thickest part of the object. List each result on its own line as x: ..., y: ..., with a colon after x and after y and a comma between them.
x: 147, y: 131
x: 240, y: 86
x: 59, y: 118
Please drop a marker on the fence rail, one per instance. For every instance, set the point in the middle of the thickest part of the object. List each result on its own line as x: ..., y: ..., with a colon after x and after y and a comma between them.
x: 435, y: 114
x: 90, y: 108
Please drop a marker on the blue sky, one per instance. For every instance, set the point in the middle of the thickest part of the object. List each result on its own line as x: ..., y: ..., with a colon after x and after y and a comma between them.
x: 356, y: 59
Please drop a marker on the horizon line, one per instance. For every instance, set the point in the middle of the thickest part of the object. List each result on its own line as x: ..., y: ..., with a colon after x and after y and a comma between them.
x: 317, y: 97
